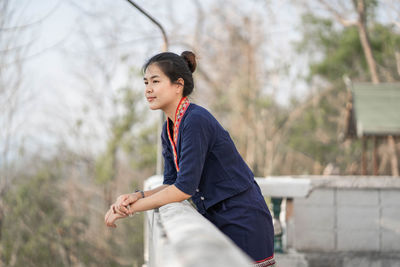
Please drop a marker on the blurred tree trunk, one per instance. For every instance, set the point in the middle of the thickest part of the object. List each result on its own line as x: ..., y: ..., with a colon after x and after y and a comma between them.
x: 361, y: 9
x: 393, y: 156
x: 397, y: 55
x: 236, y: 78
x: 363, y: 33
x: 361, y: 23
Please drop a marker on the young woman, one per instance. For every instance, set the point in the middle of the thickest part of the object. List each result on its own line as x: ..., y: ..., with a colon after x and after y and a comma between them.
x: 201, y: 162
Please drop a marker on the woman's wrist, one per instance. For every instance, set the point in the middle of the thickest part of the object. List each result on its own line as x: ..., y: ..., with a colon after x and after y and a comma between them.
x: 131, y: 210
x: 140, y: 193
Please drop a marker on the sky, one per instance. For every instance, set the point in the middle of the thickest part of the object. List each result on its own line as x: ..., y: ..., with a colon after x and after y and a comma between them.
x: 58, y: 32
x: 58, y: 55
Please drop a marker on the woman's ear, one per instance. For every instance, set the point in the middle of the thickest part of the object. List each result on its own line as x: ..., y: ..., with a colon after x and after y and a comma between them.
x: 180, y: 85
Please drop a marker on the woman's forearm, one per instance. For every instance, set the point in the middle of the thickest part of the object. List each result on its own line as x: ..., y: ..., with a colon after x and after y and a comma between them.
x: 148, y: 193
x: 164, y: 196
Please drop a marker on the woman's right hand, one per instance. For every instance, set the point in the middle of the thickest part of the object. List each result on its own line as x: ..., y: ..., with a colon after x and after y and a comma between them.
x: 121, y: 206
x: 111, y: 217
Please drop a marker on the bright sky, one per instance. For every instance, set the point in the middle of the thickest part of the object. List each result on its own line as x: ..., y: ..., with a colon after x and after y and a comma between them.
x: 51, y: 75
x: 60, y: 29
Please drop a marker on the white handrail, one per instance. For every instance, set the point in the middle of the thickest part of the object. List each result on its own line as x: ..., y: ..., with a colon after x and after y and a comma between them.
x: 178, y: 236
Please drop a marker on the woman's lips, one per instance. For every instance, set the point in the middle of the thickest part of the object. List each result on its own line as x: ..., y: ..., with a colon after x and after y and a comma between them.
x: 150, y: 99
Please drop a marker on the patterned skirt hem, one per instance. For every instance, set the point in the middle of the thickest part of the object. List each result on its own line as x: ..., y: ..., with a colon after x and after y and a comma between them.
x: 270, y: 262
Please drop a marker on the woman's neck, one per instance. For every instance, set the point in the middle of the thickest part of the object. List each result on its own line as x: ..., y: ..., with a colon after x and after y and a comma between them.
x: 170, y: 111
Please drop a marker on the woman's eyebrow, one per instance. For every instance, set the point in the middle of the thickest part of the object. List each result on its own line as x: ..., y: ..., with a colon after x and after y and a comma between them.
x: 152, y: 77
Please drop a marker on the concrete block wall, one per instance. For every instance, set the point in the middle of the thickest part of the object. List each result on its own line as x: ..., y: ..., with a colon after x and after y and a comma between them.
x: 343, y: 219
x: 337, y: 222
x: 390, y: 220
x: 314, y: 221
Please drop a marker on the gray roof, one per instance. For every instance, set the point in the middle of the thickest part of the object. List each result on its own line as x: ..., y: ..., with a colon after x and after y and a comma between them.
x: 376, y: 108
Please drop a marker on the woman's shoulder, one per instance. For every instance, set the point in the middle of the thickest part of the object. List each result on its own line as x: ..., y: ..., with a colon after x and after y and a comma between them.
x: 199, y: 114
x: 200, y: 121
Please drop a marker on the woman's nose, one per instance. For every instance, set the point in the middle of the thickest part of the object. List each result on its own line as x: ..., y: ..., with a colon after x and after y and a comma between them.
x: 149, y: 89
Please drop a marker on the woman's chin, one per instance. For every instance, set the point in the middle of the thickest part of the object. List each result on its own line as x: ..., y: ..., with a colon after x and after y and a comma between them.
x: 153, y: 107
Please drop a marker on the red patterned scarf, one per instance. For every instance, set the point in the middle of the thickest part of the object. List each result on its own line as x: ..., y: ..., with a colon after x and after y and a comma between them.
x: 180, y: 111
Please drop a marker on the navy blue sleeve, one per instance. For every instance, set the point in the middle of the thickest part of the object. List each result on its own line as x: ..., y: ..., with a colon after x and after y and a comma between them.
x: 169, y: 165
x: 196, y: 136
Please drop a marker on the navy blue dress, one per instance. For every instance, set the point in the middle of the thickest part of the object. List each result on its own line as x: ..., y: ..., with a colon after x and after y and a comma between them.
x: 201, y: 160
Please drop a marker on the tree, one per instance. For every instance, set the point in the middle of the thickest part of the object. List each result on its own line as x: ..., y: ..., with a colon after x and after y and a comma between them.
x: 361, y: 10
x: 17, y: 36
x: 36, y: 230
x: 342, y: 52
x: 231, y: 75
x: 51, y: 219
x: 336, y: 52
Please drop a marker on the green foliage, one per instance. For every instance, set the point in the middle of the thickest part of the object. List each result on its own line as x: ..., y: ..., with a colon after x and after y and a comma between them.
x: 121, y: 126
x: 141, y: 147
x: 385, y: 41
x: 41, y: 228
x: 340, y: 52
x: 340, y: 49
x: 336, y: 51
x: 105, y: 167
x: 132, y: 234
x: 36, y: 231
x: 316, y: 136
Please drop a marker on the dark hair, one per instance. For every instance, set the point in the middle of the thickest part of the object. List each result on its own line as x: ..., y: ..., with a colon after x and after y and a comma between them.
x: 175, y: 67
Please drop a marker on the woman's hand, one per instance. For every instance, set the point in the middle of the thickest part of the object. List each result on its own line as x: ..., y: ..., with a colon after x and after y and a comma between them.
x: 130, y: 203
x: 123, y: 201
x: 111, y: 217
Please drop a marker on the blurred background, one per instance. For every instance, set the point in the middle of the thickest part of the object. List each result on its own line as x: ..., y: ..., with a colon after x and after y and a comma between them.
x: 75, y: 130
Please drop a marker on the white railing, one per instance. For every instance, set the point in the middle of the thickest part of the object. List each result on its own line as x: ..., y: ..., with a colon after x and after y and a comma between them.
x: 284, y: 186
x: 176, y: 235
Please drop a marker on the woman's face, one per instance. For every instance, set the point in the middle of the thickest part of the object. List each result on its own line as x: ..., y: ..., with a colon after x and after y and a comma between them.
x: 160, y: 92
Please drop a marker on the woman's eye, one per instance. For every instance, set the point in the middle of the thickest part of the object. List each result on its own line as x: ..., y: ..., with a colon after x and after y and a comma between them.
x: 146, y: 83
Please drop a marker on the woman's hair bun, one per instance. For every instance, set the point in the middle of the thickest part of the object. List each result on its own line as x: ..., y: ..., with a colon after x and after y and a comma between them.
x: 190, y: 59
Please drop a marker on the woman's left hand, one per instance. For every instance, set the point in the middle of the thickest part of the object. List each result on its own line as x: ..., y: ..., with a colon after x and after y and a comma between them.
x: 111, y: 217
x: 121, y: 206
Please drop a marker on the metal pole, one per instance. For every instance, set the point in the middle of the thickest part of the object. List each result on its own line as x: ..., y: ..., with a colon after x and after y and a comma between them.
x: 162, y: 117
x: 165, y: 47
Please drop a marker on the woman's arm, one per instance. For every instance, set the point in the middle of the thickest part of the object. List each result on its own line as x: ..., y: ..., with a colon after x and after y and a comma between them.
x: 167, y: 195
x: 127, y: 199
x: 148, y: 193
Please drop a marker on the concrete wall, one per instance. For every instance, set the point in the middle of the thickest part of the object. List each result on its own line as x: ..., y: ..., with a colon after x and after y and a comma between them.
x: 348, y: 221
x: 336, y: 222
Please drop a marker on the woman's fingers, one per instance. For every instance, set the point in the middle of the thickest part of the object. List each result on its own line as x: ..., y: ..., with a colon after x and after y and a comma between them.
x: 123, y: 201
x: 121, y: 198
x: 124, y: 210
x: 107, y: 216
x: 131, y: 211
x: 118, y: 210
x: 111, y: 224
x: 111, y: 217
x: 130, y: 199
x: 119, y: 207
